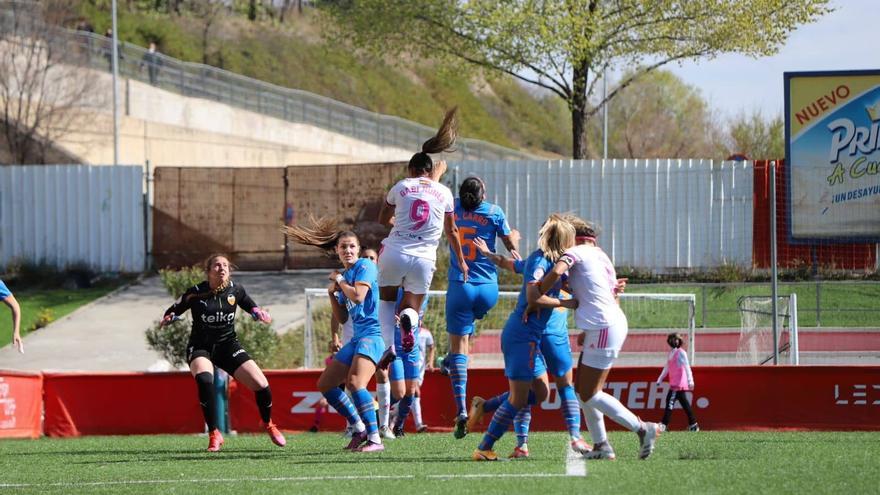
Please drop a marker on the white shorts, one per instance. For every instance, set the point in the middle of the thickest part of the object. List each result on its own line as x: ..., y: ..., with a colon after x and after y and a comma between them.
x: 412, y: 273
x: 602, y: 346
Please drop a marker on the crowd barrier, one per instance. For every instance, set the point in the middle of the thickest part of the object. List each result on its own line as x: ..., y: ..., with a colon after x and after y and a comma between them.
x: 725, y: 398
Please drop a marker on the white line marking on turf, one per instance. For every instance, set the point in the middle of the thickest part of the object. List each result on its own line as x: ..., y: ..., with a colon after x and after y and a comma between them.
x: 287, y: 478
x: 575, y: 464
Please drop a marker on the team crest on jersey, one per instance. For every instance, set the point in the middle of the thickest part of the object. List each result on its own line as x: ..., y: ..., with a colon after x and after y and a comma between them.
x: 230, y: 299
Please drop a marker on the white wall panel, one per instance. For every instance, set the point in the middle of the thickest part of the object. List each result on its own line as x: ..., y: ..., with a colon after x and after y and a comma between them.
x: 67, y: 214
x: 659, y: 215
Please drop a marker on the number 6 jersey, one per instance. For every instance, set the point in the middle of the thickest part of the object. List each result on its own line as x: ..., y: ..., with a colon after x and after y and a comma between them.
x: 420, y: 205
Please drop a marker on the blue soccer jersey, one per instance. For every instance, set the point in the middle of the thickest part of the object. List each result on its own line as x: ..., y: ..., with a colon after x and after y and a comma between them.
x: 534, y: 268
x: 487, y: 222
x: 4, y: 291
x: 364, y: 316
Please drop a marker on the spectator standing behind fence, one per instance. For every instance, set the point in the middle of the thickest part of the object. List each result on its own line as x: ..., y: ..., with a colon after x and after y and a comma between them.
x: 9, y: 300
x: 681, y: 380
x: 153, y: 62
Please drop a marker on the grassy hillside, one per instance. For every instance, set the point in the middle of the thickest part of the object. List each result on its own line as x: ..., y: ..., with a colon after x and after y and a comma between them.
x: 293, y: 55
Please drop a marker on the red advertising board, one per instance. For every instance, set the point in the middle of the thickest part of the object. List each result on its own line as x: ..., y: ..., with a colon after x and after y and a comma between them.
x: 729, y: 398
x: 21, y: 404
x: 121, y: 404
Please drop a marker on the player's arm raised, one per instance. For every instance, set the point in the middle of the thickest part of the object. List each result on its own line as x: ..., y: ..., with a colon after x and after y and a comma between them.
x: 499, y: 260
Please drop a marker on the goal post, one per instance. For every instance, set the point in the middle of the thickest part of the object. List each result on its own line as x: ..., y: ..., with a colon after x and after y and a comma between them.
x: 650, y: 316
x: 757, y: 344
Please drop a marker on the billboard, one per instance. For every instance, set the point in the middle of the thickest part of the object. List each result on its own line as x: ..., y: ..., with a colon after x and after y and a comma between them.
x: 832, y: 152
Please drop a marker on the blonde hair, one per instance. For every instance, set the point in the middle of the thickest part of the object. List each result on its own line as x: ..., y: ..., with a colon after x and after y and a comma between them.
x: 555, y: 236
x: 582, y: 228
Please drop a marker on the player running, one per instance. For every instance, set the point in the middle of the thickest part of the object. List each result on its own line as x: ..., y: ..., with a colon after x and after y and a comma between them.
x: 595, y: 285
x: 469, y: 298
x: 354, y: 295
x: 524, y: 365
x: 213, y: 342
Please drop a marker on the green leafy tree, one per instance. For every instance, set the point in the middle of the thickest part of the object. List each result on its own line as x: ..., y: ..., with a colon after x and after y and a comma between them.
x: 660, y: 116
x: 757, y: 137
x: 560, y: 45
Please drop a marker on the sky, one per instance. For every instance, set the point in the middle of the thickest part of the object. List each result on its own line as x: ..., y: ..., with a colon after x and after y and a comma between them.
x: 845, y: 39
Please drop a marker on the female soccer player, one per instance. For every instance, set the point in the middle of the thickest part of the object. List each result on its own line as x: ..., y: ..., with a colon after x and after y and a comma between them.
x: 418, y: 208
x: 469, y: 300
x: 521, y: 337
x: 556, y: 350
x: 681, y: 379
x: 213, y: 342
x: 354, y: 294
x: 595, y: 285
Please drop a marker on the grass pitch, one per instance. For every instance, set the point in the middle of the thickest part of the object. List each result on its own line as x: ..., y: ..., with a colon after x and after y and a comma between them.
x: 704, y: 462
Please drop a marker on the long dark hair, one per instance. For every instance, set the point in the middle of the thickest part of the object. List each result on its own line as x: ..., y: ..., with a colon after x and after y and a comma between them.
x: 421, y: 163
x: 320, y: 232
x: 471, y: 192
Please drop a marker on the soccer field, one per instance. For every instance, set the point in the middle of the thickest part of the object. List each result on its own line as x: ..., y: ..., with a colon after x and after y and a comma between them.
x: 704, y: 462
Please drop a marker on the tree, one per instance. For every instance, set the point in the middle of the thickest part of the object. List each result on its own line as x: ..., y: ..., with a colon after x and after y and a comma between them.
x: 45, y: 88
x: 659, y: 116
x: 560, y: 45
x: 207, y: 12
x: 756, y: 137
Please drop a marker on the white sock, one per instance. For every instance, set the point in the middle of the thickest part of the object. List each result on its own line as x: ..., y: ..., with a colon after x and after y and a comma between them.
x: 595, y: 423
x: 387, y: 321
x: 374, y: 437
x: 383, y: 393
x: 612, y: 408
x: 417, y: 410
x: 359, y: 427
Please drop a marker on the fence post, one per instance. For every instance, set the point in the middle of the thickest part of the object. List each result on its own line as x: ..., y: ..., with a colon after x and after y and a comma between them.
x: 703, y: 297
x: 308, y: 358
x: 818, y: 304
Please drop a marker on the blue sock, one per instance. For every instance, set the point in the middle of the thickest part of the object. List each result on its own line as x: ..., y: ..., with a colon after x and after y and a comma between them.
x: 499, y: 425
x: 458, y: 374
x: 493, y: 403
x: 337, y: 398
x: 403, y: 409
x: 367, y: 409
x: 521, y: 423
x: 571, y: 410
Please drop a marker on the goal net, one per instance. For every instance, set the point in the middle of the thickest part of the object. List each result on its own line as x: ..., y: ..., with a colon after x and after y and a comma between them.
x: 651, y: 317
x: 756, y: 340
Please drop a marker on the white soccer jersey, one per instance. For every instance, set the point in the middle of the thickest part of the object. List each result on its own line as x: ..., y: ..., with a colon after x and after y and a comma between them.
x: 592, y: 279
x: 420, y: 205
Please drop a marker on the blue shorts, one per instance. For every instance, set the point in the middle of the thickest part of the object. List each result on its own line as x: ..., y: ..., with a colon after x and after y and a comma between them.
x: 556, y: 350
x: 370, y: 346
x: 523, y: 360
x: 466, y: 303
x: 407, y: 366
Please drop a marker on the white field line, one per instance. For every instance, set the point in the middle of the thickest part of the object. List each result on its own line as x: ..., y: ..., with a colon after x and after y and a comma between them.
x: 285, y: 478
x: 575, y: 464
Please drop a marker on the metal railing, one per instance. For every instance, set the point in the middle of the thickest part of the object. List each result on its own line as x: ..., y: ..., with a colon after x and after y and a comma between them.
x: 292, y: 105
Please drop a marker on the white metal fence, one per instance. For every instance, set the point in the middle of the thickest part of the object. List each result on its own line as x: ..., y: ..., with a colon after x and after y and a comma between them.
x: 660, y: 215
x: 66, y: 214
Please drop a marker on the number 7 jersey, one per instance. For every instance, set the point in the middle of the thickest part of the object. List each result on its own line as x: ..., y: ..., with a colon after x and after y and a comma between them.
x: 420, y: 205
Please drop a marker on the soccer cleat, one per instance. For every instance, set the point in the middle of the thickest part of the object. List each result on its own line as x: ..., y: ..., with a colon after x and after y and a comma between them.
x: 386, y: 433
x: 662, y: 427
x: 357, y: 438
x: 422, y: 429
x: 313, y: 429
x: 275, y: 434
x: 580, y: 446
x: 647, y: 437
x: 484, y: 455
x: 398, y: 431
x: 444, y: 367
x: 215, y: 440
x: 601, y: 450
x: 475, y: 415
x: 370, y: 447
x: 520, y: 452
x: 387, y: 358
x: 409, y: 320
x: 348, y: 431
x: 461, y: 429
x: 694, y: 427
